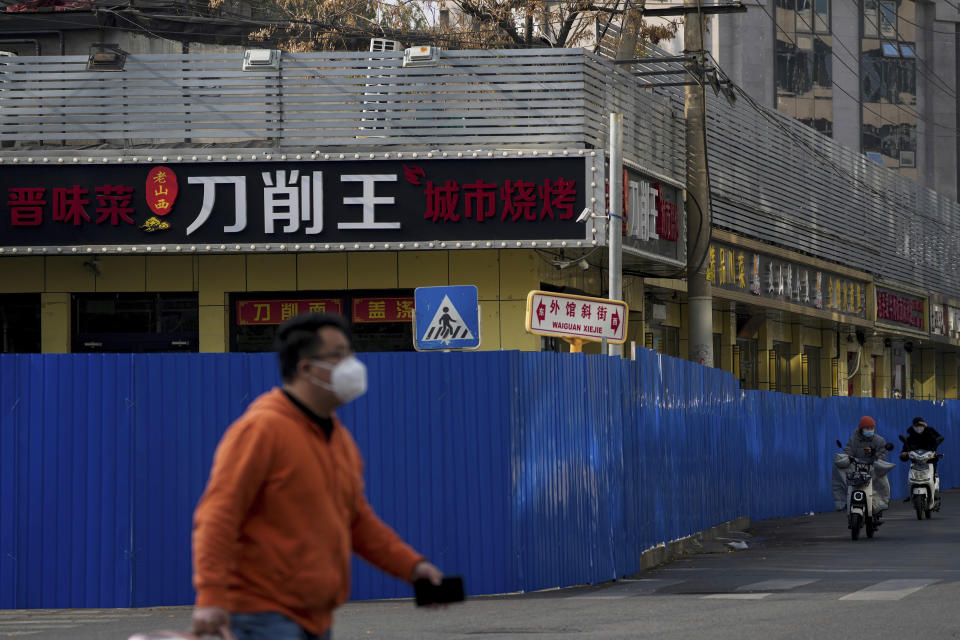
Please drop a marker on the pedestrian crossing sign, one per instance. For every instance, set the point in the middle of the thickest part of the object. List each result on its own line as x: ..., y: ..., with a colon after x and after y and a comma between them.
x: 446, y: 318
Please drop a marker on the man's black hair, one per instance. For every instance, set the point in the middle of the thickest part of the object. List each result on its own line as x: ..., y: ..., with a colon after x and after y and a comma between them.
x: 299, y: 338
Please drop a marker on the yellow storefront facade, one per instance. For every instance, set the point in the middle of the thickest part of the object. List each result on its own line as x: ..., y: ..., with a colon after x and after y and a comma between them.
x: 767, y: 344
x: 503, y: 279
x: 838, y: 331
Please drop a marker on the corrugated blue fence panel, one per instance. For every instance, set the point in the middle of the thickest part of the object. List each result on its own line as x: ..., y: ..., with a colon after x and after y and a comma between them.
x: 183, y: 405
x: 433, y: 432
x: 520, y: 470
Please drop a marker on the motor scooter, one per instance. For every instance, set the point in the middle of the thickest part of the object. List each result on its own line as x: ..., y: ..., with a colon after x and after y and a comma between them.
x: 924, y: 481
x: 861, y: 511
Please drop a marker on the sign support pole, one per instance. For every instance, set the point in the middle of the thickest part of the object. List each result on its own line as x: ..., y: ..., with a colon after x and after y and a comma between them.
x: 576, y: 344
x: 615, y: 218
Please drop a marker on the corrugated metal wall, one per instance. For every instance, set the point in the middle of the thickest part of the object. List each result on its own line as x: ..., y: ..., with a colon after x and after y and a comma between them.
x: 520, y: 470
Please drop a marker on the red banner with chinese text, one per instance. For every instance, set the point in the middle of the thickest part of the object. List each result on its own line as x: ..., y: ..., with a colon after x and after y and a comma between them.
x: 276, y: 311
x: 383, y: 309
x: 902, y: 309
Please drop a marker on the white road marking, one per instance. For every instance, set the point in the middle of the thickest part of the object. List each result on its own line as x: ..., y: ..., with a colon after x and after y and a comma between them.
x: 779, y: 584
x: 889, y: 590
x: 47, y: 624
x: 736, y: 596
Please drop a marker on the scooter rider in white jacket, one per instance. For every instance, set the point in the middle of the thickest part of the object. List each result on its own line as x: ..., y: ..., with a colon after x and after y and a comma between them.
x: 866, y: 444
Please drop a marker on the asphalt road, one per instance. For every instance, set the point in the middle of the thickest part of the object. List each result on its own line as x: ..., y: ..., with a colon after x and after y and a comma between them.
x: 800, y: 578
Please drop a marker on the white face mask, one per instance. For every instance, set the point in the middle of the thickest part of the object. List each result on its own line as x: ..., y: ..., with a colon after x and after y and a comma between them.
x: 348, y: 378
x: 918, y: 429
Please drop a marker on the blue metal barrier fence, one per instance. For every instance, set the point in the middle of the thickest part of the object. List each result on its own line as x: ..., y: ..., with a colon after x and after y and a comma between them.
x: 521, y: 471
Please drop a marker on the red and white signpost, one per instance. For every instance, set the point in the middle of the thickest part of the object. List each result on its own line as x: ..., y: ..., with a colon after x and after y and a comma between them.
x: 576, y: 319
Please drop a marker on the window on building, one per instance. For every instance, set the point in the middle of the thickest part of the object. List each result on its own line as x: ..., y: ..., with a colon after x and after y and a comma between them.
x: 20, y: 322
x: 870, y: 21
x: 888, y: 77
x: 804, y: 13
x: 380, y: 320
x: 803, y: 67
x: 822, y: 16
x: 135, y: 322
x: 888, y: 19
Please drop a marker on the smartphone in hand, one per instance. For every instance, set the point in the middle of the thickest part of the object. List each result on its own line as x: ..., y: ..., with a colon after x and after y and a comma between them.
x: 450, y: 590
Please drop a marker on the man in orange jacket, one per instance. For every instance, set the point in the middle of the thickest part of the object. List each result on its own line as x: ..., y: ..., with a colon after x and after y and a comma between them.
x: 285, y: 505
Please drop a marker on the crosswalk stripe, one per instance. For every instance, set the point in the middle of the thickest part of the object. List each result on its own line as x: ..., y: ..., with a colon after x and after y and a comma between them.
x: 37, y: 624
x: 779, y: 584
x: 889, y: 590
x: 736, y: 596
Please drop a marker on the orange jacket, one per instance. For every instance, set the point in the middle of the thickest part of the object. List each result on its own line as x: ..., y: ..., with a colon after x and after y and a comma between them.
x: 282, y: 510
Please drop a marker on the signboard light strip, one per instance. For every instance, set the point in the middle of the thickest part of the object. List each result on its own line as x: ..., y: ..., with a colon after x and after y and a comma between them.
x: 264, y: 155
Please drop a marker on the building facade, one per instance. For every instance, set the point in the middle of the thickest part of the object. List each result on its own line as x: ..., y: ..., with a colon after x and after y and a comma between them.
x: 184, y: 204
x: 216, y: 202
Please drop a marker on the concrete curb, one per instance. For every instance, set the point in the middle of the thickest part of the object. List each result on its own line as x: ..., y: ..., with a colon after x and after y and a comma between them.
x: 713, y: 540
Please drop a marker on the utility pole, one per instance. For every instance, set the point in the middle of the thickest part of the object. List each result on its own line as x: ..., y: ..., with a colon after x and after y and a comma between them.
x: 700, y: 310
x: 615, y: 218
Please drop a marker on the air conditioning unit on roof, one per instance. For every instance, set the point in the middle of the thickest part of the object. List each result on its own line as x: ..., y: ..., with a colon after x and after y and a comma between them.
x: 382, y: 44
x: 422, y: 56
x: 258, y: 59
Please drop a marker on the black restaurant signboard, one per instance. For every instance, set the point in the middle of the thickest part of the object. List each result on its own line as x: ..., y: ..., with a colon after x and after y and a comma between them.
x: 330, y: 201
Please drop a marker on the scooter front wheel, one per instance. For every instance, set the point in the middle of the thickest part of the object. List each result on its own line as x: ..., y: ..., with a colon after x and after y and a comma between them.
x: 856, y: 521
x: 919, y: 503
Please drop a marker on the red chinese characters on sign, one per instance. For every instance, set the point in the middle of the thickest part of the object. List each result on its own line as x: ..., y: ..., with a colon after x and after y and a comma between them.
x: 480, y: 200
x: 382, y: 310
x: 902, y: 309
x: 69, y: 205
x: 519, y: 199
x: 161, y: 190
x: 26, y: 206
x: 114, y: 204
x: 578, y: 317
x: 254, y: 312
x: 513, y: 201
x: 668, y: 216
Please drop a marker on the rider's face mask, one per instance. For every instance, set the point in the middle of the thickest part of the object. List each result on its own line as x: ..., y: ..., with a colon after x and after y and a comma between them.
x: 348, y: 378
x: 918, y: 428
x: 868, y: 433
